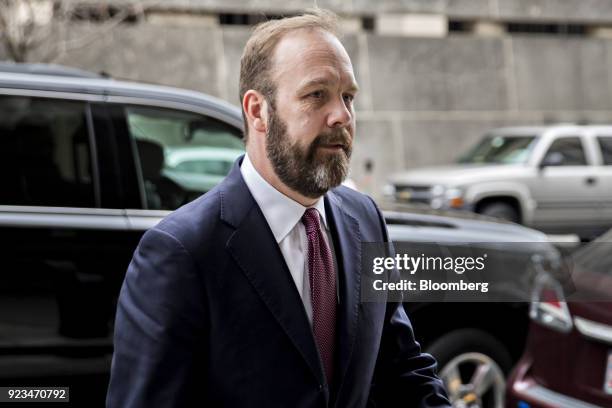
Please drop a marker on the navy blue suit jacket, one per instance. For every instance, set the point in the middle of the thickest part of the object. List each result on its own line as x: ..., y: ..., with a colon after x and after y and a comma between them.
x: 209, y: 316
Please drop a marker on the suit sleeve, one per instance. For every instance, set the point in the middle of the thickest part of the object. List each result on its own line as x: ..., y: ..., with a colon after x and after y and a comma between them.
x: 159, y: 328
x: 404, y: 376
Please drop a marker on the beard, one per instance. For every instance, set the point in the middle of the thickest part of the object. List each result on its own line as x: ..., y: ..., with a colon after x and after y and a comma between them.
x: 306, y: 169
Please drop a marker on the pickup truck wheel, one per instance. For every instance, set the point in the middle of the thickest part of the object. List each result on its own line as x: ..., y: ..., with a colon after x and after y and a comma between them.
x: 500, y: 210
x: 473, y: 366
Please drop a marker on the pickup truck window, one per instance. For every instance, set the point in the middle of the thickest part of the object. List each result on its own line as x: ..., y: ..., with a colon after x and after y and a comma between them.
x: 569, y: 150
x: 605, y: 144
x: 500, y: 149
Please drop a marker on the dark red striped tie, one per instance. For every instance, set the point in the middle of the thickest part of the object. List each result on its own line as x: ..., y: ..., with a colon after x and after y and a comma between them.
x: 322, y: 290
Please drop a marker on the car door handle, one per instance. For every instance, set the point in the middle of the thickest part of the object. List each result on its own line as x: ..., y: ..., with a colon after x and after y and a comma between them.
x: 590, y: 180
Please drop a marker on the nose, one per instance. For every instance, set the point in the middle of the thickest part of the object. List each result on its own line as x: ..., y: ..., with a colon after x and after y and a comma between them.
x: 340, y: 114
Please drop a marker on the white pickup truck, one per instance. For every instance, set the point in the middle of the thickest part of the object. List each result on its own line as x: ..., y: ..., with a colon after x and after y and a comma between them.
x: 554, y: 178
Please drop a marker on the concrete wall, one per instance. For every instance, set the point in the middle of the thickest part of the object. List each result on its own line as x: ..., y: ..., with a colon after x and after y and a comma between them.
x: 423, y: 101
x: 537, y: 10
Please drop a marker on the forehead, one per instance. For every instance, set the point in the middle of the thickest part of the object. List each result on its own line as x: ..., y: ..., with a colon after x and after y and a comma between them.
x: 310, y: 54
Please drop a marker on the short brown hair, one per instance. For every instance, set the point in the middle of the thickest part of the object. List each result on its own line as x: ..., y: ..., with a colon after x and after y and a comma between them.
x: 256, y: 60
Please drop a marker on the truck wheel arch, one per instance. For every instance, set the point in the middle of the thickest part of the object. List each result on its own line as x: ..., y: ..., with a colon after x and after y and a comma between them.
x: 511, y: 201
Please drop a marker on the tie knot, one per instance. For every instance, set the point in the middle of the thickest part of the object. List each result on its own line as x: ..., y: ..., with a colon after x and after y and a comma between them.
x: 311, y: 220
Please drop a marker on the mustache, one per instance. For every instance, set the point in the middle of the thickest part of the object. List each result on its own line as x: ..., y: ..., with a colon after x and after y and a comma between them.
x: 335, y: 137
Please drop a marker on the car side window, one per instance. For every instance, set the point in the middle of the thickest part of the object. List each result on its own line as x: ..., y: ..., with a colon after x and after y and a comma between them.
x: 46, y: 159
x: 565, y: 151
x: 181, y: 155
x: 605, y: 145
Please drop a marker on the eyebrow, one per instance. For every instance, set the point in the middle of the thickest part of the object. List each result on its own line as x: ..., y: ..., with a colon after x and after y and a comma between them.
x: 325, y: 82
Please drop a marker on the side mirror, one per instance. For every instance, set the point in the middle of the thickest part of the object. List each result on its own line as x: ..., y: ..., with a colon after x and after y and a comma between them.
x: 552, y: 159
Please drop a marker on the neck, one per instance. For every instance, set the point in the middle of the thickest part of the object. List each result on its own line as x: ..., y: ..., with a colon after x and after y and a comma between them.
x: 266, y: 171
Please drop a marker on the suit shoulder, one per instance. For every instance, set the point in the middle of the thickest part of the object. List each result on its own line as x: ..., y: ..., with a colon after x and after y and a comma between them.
x: 355, y: 201
x: 194, y: 223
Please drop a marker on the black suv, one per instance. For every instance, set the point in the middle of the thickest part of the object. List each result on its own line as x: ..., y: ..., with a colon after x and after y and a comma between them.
x: 89, y: 163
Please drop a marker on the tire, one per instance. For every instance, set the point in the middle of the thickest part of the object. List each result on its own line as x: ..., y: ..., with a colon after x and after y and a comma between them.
x: 500, y: 210
x: 460, y: 354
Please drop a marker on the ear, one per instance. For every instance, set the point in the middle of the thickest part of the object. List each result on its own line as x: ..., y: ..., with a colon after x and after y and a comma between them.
x: 256, y: 109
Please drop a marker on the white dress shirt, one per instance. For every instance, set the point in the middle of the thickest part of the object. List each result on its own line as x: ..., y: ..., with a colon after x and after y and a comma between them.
x: 284, y: 215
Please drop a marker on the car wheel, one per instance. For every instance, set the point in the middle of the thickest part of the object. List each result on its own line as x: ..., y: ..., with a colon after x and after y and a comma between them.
x: 500, y: 210
x: 473, y: 366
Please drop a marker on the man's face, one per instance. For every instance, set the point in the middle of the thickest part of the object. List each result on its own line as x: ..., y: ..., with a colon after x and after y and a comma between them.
x: 311, y: 121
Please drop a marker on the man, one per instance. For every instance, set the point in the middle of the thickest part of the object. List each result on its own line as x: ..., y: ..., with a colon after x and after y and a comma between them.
x: 250, y: 295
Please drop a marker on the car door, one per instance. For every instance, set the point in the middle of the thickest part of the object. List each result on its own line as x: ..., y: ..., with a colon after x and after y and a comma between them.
x: 60, y: 234
x: 565, y: 187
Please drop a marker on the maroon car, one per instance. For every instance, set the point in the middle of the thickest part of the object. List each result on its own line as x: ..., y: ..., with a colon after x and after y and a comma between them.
x: 568, y: 356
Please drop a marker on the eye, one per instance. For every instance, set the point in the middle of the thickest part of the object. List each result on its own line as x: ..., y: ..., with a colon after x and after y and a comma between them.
x: 349, y: 97
x: 316, y: 95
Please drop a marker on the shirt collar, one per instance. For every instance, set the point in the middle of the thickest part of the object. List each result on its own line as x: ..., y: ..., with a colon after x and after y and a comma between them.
x: 281, y: 212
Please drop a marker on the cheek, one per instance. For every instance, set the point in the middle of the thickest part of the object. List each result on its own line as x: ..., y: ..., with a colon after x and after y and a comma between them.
x: 303, y: 130
x: 352, y: 129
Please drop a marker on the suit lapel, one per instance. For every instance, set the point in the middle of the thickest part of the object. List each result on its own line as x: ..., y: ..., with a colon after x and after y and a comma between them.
x: 347, y: 242
x: 253, y: 247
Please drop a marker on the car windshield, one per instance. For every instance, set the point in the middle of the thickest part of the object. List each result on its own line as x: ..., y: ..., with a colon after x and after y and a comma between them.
x: 502, y: 149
